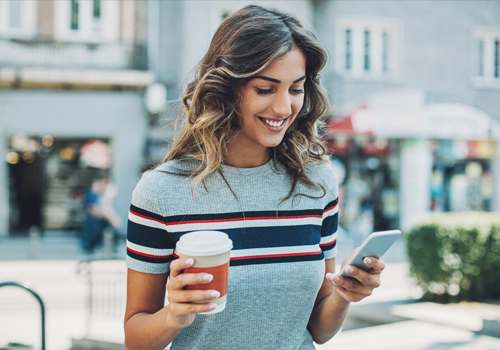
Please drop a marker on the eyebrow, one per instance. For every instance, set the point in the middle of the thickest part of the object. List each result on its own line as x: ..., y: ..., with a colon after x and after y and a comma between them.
x: 276, y: 80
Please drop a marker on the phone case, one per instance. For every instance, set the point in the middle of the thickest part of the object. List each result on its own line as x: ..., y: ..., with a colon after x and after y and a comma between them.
x: 375, y: 245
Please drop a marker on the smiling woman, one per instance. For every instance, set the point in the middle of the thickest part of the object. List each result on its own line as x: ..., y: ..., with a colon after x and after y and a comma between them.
x: 250, y: 138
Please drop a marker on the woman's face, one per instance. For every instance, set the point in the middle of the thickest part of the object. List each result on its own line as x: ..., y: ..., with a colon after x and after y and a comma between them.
x: 270, y: 102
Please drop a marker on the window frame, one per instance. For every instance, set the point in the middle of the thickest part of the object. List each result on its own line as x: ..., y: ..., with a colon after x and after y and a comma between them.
x: 372, y: 60
x: 109, y: 23
x: 486, y: 49
x: 27, y: 21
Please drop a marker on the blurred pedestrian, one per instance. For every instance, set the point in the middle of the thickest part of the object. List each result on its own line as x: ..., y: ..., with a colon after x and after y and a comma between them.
x: 91, y: 235
x: 247, y: 163
x: 99, y: 213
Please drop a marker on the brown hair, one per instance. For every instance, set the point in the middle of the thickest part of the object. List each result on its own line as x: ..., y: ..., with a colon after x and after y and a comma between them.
x: 245, y: 44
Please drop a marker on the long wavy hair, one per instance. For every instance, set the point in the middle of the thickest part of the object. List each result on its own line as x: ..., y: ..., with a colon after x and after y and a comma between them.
x: 245, y: 44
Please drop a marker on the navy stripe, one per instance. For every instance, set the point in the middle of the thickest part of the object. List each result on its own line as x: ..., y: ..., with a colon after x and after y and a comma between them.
x: 274, y: 260
x: 149, y: 236
x: 225, y: 216
x: 146, y: 213
x: 149, y: 258
x: 330, y: 225
x: 331, y: 204
x: 329, y: 246
x: 269, y: 237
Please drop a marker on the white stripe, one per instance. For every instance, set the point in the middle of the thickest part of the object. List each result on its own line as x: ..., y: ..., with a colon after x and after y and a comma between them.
x: 145, y: 222
x: 331, y: 211
x: 275, y: 250
x: 242, y: 224
x: 150, y: 251
x: 328, y: 239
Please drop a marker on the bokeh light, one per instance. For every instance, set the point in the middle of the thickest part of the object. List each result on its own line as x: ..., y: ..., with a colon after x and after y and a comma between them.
x: 47, y: 140
x: 28, y: 157
x: 12, y: 158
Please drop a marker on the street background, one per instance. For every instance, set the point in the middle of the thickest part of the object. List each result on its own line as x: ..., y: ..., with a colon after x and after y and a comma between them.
x: 88, y: 101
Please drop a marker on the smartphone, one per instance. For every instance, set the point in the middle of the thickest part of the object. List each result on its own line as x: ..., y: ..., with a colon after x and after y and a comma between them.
x: 375, y: 245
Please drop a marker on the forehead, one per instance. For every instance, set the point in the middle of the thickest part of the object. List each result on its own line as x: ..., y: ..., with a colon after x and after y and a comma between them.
x: 289, y: 67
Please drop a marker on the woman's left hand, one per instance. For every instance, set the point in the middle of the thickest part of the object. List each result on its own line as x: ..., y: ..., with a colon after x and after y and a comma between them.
x: 362, y: 283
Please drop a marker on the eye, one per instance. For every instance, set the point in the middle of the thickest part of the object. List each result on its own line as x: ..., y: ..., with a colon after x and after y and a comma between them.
x: 298, y: 91
x: 264, y: 91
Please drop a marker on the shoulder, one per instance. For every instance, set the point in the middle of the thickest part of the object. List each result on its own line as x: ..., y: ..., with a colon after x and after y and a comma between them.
x: 324, y: 173
x: 154, y: 184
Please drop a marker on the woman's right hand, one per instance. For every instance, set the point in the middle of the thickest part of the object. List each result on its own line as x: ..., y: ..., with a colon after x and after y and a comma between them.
x: 181, y: 301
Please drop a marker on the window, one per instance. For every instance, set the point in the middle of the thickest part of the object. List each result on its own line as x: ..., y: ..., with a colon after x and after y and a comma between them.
x: 368, y: 48
x: 18, y: 18
x: 96, y: 15
x: 87, y: 20
x: 487, y: 69
x: 348, y: 49
x: 74, y: 16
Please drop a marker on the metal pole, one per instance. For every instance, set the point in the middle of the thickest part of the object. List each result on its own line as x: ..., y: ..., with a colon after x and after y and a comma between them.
x: 40, y: 301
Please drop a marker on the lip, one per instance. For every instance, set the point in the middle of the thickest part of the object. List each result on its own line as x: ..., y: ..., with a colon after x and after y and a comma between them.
x: 274, y: 128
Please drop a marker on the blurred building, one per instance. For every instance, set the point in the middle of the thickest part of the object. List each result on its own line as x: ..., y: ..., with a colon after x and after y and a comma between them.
x: 416, y: 94
x: 72, y: 79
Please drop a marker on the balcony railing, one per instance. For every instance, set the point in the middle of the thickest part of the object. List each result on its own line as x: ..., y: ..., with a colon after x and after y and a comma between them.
x: 60, y: 55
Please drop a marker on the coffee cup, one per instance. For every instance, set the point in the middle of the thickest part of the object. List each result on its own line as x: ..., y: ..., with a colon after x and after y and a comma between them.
x: 210, y: 251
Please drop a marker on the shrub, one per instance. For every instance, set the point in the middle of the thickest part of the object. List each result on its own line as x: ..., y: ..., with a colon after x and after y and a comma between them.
x: 456, y: 256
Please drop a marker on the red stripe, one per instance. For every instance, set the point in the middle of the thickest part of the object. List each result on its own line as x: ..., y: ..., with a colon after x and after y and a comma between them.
x: 242, y: 219
x: 327, y: 210
x: 149, y: 255
x: 274, y: 255
x: 146, y: 217
x: 325, y: 244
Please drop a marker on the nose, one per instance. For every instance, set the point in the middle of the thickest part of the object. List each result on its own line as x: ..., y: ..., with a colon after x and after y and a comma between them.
x: 282, y: 105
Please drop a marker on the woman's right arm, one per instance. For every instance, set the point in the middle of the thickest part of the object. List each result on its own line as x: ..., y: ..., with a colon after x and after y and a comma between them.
x: 149, y: 325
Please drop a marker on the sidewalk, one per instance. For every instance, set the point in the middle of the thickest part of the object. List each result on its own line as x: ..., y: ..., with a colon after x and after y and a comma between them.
x: 391, y: 317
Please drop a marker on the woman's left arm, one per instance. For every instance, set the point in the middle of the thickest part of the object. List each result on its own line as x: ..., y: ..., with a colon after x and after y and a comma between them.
x: 332, y: 302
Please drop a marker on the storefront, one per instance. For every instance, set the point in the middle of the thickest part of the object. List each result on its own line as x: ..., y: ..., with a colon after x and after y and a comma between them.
x: 54, y: 144
x: 48, y: 179
x: 409, y: 155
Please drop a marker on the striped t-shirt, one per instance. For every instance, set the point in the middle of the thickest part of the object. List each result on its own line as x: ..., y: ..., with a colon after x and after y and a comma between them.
x: 277, y: 262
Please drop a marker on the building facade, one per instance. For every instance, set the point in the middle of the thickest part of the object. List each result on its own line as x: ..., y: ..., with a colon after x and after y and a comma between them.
x: 416, y: 89
x: 72, y: 80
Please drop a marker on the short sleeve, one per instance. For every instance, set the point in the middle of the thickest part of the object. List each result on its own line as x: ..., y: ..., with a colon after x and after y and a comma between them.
x: 149, y: 246
x: 330, y: 223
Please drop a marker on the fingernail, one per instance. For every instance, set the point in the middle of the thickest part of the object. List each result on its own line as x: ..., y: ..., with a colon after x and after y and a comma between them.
x: 190, y: 261
x: 215, y: 294
x: 336, y: 279
x: 329, y: 276
x: 207, y: 277
x: 349, y: 269
x: 212, y: 306
x: 368, y: 261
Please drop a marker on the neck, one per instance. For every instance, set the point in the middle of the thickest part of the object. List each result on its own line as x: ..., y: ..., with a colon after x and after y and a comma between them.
x: 247, y: 158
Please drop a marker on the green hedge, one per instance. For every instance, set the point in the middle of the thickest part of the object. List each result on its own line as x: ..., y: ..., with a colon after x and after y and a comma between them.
x: 456, y: 256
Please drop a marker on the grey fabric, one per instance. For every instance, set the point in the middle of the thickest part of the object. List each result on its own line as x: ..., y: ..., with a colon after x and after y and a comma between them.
x: 269, y: 304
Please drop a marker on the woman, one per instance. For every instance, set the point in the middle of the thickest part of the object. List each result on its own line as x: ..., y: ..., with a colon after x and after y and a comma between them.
x: 247, y: 163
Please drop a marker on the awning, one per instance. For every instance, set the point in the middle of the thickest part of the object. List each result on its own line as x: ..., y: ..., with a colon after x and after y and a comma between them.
x: 414, y: 114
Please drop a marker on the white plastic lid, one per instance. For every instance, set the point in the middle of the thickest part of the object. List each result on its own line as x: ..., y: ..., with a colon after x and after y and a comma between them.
x: 204, y: 243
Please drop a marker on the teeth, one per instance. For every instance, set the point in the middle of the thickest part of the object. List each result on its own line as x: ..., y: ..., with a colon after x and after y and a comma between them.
x: 273, y: 123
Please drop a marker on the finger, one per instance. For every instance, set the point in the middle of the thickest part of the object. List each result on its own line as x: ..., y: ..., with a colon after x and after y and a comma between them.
x: 368, y: 278
x: 377, y: 265
x: 188, y: 296
x: 189, y: 308
x: 188, y: 279
x: 178, y: 265
x: 350, y: 284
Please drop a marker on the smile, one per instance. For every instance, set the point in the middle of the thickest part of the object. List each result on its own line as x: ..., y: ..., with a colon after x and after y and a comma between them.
x: 274, y: 123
